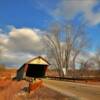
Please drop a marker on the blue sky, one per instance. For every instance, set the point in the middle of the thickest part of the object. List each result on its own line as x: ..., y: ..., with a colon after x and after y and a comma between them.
x: 35, y: 16
x: 26, y: 13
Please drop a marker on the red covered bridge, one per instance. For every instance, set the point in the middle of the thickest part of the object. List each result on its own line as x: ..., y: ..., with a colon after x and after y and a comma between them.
x: 35, y: 67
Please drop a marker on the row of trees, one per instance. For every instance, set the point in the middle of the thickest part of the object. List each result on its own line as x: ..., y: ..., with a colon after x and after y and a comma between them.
x: 65, y: 45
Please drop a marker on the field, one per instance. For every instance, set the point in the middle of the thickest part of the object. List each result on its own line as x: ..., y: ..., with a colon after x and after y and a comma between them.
x: 17, y: 90
x: 49, y: 90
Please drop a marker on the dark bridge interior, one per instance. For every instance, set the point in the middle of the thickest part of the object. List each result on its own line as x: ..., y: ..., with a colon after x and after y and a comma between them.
x: 36, y: 70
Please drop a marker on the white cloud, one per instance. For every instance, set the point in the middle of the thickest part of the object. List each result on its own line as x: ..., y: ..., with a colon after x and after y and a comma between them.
x: 18, y: 45
x: 69, y: 8
x: 16, y: 59
x: 22, y: 40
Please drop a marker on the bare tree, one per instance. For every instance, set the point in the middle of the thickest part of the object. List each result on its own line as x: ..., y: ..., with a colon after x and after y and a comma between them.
x: 84, y: 68
x: 96, y: 58
x: 55, y: 50
x: 65, y: 44
x: 1, y: 53
x: 80, y: 43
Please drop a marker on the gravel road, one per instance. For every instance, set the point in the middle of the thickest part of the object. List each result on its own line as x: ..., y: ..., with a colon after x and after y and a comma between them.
x: 76, y: 91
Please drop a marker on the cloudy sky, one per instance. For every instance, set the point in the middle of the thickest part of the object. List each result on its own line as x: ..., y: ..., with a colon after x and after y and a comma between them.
x: 24, y: 22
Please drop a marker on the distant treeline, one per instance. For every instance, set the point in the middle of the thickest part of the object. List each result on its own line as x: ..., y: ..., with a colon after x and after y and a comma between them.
x: 76, y: 73
x: 2, y: 67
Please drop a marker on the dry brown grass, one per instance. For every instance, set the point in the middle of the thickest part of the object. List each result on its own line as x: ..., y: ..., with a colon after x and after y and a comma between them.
x: 42, y: 93
x: 15, y: 90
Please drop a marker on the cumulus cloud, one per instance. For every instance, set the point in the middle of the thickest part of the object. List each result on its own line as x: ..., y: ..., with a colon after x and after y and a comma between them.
x: 20, y: 44
x: 70, y: 8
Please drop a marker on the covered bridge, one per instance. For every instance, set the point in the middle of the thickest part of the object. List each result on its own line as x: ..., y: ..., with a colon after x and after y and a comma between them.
x: 35, y: 67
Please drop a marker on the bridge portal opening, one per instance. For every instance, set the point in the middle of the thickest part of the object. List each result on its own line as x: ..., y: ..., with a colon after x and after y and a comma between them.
x: 36, y: 70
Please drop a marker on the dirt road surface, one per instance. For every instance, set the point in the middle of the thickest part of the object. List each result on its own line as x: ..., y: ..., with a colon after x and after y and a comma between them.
x: 76, y: 91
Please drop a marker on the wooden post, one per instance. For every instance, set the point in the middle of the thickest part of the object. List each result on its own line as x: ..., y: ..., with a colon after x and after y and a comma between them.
x: 30, y: 82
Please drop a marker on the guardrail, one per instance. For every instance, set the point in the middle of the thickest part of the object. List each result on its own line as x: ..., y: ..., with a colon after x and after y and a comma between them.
x: 75, y: 78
